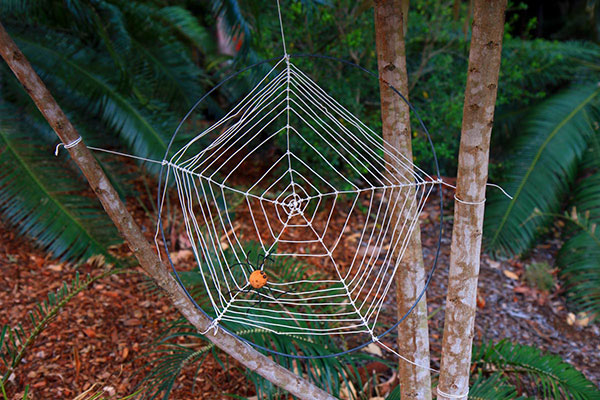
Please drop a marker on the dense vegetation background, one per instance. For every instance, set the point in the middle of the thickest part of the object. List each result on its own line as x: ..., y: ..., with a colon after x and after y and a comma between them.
x: 127, y: 71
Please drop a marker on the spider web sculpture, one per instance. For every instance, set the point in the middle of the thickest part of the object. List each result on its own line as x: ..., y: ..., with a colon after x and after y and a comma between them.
x: 298, y: 211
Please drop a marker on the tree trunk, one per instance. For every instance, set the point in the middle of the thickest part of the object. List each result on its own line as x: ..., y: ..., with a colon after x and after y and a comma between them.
x: 456, y: 10
x: 124, y: 222
x: 413, y: 336
x: 478, y: 114
x: 468, y: 17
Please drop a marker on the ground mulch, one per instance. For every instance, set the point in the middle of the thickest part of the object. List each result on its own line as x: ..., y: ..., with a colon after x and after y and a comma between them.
x: 100, y: 338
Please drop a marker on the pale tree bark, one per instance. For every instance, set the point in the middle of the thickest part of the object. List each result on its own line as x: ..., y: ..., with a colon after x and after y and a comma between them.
x: 143, y: 251
x: 478, y: 114
x: 413, y: 335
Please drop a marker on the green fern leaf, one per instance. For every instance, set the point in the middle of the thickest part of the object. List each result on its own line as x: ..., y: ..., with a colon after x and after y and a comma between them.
x: 552, y: 377
x: 186, y: 25
x: 43, y: 200
x: 545, y: 157
x: 84, y: 82
x: 579, y: 257
x: 494, y: 387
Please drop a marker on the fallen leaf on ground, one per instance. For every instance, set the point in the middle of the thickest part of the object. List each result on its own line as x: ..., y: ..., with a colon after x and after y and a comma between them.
x: 511, y: 275
x: 374, y: 349
x: 583, y: 319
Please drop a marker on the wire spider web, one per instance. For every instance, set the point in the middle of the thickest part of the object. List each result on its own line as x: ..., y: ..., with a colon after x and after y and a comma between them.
x: 296, y: 209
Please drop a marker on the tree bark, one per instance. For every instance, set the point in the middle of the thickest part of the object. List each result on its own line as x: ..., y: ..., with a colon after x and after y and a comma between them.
x: 456, y: 10
x: 478, y: 114
x: 413, y: 335
x: 147, y: 257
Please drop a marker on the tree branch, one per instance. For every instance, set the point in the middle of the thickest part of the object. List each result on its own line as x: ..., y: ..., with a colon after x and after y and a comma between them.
x: 413, y: 335
x: 147, y: 257
x: 473, y: 157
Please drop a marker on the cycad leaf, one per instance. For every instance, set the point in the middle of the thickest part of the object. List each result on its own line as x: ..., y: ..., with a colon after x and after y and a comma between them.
x: 552, y: 377
x: 186, y: 25
x: 579, y: 257
x: 84, y: 80
x: 44, y: 200
x: 545, y: 158
x: 331, y: 374
x: 494, y: 387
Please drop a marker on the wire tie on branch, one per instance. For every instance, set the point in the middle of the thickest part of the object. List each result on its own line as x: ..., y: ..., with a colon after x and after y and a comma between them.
x: 473, y: 203
x: 67, y: 146
x: 451, y: 396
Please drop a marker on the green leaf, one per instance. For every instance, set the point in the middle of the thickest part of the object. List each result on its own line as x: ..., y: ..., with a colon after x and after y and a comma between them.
x: 579, y: 257
x: 545, y: 158
x: 43, y: 200
x: 494, y: 387
x: 552, y: 378
x: 85, y: 82
x: 186, y: 25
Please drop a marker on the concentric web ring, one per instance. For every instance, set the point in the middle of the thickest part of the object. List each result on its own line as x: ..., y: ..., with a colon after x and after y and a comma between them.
x: 295, y: 210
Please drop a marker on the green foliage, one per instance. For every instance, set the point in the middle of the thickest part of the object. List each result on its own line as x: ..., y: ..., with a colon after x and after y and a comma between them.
x: 43, y: 200
x: 501, y: 368
x: 541, y: 375
x: 493, y: 387
x: 579, y: 257
x: 15, y: 341
x: 553, y: 163
x: 437, y: 56
x: 180, y: 346
x: 545, y: 159
x: 124, y: 73
x: 539, y: 275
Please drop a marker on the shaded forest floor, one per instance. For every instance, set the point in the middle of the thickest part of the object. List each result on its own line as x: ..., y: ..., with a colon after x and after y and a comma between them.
x: 99, y: 340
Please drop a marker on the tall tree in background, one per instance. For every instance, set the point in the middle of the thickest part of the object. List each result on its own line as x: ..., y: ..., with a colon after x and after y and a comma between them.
x: 413, y: 337
x: 478, y: 114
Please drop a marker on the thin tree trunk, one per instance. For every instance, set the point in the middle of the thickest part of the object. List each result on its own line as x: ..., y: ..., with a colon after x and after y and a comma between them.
x: 456, y: 10
x: 124, y: 222
x: 413, y: 336
x: 468, y: 17
x: 478, y: 114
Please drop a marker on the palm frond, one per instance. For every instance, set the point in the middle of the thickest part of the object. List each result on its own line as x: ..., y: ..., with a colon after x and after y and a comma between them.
x: 183, y: 23
x: 15, y: 341
x: 235, y: 21
x: 83, y: 81
x: 158, y: 58
x: 545, y: 158
x: 579, y: 256
x: 579, y: 262
x: 42, y: 199
x: 547, y: 376
x: 493, y: 387
x: 331, y: 374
